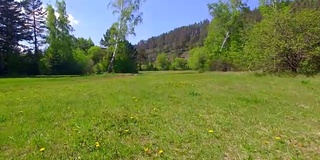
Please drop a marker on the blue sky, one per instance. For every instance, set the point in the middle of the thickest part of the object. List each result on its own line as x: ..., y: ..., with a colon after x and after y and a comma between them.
x: 91, y: 18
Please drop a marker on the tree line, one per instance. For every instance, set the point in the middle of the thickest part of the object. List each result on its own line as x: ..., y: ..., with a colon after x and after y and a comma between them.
x: 278, y: 36
x: 282, y: 36
x: 36, y: 40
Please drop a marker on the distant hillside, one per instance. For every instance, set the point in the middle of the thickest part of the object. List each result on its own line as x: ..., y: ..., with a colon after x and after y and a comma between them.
x: 175, y: 42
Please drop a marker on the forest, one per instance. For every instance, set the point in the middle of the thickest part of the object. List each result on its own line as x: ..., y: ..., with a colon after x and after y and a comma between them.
x: 279, y: 36
x: 175, y: 42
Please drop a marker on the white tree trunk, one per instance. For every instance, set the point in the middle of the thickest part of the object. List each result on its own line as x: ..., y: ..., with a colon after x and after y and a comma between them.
x: 117, y: 41
x: 113, y: 57
x: 224, y: 41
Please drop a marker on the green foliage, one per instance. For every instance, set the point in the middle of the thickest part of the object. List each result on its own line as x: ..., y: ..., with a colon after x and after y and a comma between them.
x: 79, y: 63
x: 109, y: 38
x: 150, y: 67
x: 162, y: 62
x: 35, y: 18
x: 13, y: 29
x: 13, y: 61
x: 311, y: 64
x: 62, y: 56
x: 99, y: 68
x: 142, y: 58
x: 180, y: 64
x: 64, y: 36
x: 225, y: 39
x: 97, y: 54
x: 280, y: 36
x: 126, y: 58
x: 83, y: 44
x: 176, y: 41
x: 129, y: 16
x: 286, y: 41
x: 197, y: 58
x: 82, y: 63
x: 60, y: 51
x: 218, y: 65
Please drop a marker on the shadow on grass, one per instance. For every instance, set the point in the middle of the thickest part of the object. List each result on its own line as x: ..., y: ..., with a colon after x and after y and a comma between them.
x: 40, y: 76
x: 168, y: 72
x: 69, y: 76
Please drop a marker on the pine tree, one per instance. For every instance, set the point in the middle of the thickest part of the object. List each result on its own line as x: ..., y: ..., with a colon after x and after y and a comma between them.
x: 36, y: 21
x: 82, y: 43
x: 12, y: 31
x: 109, y: 37
x: 65, y: 29
x: 64, y: 55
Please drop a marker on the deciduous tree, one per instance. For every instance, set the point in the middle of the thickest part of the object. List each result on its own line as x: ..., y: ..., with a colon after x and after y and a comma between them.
x: 129, y: 16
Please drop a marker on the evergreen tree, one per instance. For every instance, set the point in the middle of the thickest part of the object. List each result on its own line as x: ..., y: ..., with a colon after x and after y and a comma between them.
x: 59, y: 57
x: 13, y: 30
x: 65, y: 29
x: 141, y: 58
x: 83, y: 44
x: 177, y: 41
x: 108, y: 39
x: 36, y: 21
x: 125, y: 61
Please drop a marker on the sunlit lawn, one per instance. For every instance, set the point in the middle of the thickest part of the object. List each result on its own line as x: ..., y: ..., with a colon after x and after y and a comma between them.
x: 169, y: 115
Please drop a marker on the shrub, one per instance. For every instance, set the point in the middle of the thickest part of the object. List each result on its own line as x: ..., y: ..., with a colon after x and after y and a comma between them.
x: 180, y: 64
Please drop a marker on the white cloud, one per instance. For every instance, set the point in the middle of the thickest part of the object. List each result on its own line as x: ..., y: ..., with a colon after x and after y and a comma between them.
x: 72, y: 20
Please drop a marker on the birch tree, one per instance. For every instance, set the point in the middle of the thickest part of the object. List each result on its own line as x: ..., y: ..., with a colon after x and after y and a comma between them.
x: 226, y: 15
x: 129, y: 16
x: 225, y: 39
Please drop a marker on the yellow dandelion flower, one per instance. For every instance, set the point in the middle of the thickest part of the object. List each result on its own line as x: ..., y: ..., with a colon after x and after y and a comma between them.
x: 131, y: 117
x: 210, y: 131
x: 42, y: 149
x: 277, y: 138
x: 97, y: 144
x: 160, y: 151
x: 146, y: 149
x: 127, y: 130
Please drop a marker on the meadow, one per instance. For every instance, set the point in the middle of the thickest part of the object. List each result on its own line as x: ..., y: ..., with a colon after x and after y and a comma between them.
x: 160, y: 115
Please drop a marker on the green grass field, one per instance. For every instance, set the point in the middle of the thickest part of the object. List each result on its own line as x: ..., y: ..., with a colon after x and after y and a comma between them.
x: 160, y: 115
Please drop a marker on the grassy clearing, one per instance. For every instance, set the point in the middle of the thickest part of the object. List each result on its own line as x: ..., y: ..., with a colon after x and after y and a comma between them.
x: 184, y: 114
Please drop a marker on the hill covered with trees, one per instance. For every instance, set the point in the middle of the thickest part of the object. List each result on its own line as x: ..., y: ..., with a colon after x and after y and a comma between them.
x: 177, y: 41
